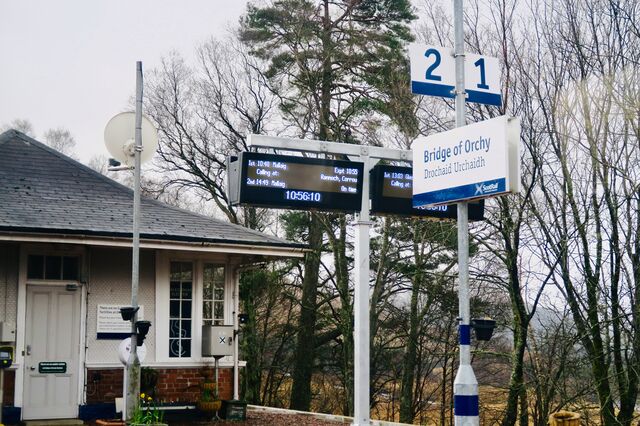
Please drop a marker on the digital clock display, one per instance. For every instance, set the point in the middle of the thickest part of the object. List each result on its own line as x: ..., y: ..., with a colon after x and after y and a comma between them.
x: 391, y: 192
x: 303, y: 196
x: 283, y: 181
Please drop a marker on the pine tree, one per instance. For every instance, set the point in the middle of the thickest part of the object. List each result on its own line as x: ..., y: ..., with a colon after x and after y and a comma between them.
x: 331, y: 64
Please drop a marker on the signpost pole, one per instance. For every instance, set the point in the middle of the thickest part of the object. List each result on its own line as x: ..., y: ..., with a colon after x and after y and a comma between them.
x: 466, y: 409
x: 133, y: 363
x: 361, y: 412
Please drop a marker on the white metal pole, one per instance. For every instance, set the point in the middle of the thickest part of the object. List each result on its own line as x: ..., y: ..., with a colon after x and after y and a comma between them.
x: 133, y: 363
x: 465, y: 402
x: 361, y: 412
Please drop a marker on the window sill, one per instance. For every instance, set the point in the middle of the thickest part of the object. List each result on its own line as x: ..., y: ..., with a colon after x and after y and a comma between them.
x: 166, y: 364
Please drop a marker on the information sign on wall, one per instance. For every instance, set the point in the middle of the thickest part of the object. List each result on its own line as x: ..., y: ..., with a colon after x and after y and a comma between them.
x: 109, y: 322
x: 433, y: 74
x: 480, y: 160
x: 283, y: 181
x: 392, y: 190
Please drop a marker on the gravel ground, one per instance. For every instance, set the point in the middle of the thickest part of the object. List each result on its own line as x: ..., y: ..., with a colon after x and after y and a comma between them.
x: 257, y: 418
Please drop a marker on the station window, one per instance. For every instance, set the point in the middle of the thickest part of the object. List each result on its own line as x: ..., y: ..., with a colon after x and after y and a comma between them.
x: 40, y: 267
x: 213, y: 294
x: 180, y: 301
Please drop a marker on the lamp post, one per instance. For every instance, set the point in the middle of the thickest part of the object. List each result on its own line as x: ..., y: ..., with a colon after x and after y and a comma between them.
x: 123, y: 138
x: 133, y: 363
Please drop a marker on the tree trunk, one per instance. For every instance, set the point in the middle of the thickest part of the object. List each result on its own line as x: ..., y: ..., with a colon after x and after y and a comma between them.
x: 379, y: 286
x: 443, y: 394
x: 305, y: 345
x: 253, y: 369
x: 249, y: 295
x: 409, y: 361
x: 346, y: 313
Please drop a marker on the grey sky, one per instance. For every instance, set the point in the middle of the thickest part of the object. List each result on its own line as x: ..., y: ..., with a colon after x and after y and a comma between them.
x: 71, y: 63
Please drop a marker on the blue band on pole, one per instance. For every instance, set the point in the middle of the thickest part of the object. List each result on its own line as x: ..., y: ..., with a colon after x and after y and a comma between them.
x: 464, y: 330
x: 465, y: 405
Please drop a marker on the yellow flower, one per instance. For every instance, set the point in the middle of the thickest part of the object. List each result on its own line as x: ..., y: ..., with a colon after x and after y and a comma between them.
x: 149, y: 399
x: 142, y: 395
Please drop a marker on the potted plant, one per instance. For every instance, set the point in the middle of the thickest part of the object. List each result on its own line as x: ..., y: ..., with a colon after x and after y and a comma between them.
x: 147, y: 412
x: 209, y: 402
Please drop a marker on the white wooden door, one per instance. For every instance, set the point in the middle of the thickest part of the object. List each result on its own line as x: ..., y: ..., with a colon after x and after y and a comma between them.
x: 52, y: 349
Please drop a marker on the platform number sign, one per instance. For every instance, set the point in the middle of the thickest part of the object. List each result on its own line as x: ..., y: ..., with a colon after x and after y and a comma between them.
x: 433, y: 74
x: 437, y: 58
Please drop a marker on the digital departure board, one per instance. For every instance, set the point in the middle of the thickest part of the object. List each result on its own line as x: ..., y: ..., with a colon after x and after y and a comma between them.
x: 391, y: 192
x: 289, y: 182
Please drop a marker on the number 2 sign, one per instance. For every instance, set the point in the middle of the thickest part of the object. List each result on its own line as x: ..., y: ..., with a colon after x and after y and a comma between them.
x: 433, y: 74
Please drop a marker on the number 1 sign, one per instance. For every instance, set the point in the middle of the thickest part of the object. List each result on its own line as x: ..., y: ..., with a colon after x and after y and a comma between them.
x: 433, y: 74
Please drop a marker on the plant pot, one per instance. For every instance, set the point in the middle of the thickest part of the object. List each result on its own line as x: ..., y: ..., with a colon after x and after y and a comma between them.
x: 234, y: 410
x: 209, y: 406
x: 483, y: 328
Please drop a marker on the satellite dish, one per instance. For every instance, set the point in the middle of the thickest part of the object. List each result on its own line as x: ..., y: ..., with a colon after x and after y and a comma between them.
x: 120, y: 134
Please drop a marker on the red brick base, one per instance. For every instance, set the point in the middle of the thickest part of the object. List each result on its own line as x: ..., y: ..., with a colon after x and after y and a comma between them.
x: 174, y: 384
x: 104, y: 385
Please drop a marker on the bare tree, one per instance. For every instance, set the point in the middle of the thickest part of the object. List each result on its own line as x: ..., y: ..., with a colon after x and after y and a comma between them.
x: 204, y: 113
x: 569, y: 73
x: 589, y: 155
x: 557, y: 369
x: 21, y: 125
x: 61, y: 140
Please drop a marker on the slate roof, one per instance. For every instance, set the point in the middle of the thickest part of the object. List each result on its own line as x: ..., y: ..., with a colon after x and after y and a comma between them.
x: 44, y: 191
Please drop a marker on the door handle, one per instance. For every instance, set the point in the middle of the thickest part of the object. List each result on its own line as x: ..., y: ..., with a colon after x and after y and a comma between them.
x: 32, y: 368
x: 28, y: 349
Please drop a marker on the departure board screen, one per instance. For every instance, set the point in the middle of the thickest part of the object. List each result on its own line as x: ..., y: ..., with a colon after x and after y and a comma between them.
x: 283, y: 181
x: 392, y: 190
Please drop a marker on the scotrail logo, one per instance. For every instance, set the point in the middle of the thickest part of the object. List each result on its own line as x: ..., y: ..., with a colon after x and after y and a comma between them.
x: 482, y: 188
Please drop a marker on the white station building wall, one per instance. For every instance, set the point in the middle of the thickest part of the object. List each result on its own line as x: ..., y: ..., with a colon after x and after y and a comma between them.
x: 9, y: 284
x: 110, y: 284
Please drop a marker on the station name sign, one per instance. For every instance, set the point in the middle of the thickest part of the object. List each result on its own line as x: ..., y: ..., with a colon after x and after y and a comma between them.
x: 477, y: 161
x: 290, y: 182
x: 391, y: 194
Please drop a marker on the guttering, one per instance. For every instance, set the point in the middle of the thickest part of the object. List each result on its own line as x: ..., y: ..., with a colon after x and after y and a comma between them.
x: 202, y: 246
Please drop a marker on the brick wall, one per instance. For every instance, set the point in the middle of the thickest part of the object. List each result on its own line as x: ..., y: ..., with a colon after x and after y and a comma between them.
x: 173, y: 385
x: 9, y: 383
x: 104, y: 385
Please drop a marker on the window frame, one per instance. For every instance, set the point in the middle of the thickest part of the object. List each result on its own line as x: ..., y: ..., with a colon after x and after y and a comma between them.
x: 49, y: 254
x: 213, y: 300
x: 181, y: 300
x: 162, y: 298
